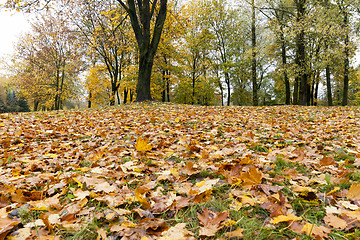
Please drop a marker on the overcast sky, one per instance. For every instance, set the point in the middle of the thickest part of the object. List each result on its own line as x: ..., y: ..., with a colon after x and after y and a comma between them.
x: 12, y: 24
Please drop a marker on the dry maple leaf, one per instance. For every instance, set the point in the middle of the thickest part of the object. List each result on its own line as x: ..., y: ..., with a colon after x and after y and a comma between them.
x: 238, y: 233
x: 6, y: 225
x: 327, y: 160
x: 142, y: 144
x: 354, y: 192
x: 177, y: 232
x: 211, y: 221
x: 316, y: 232
x: 252, y: 177
x: 335, y: 222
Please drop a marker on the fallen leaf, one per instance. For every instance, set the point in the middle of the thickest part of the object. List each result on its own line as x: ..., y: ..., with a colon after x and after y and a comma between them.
x: 211, y: 221
x: 335, y: 222
x: 354, y: 192
x: 238, y: 233
x: 285, y: 218
x: 316, y: 232
x: 142, y: 145
x: 6, y: 225
x: 252, y: 177
x: 177, y: 232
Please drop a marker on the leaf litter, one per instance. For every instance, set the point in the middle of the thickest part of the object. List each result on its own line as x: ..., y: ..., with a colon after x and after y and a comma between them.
x: 132, y: 171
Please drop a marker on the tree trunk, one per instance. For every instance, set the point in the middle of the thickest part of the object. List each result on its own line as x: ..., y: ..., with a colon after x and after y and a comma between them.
x: 167, y: 90
x: 253, y: 65
x: 316, y: 92
x: 346, y: 61
x: 89, y: 100
x: 284, y: 63
x: 140, y: 14
x: 227, y: 80
x: 131, y: 95
x: 125, y: 95
x: 36, y: 105
x: 300, y: 58
x: 144, y: 78
x: 328, y: 85
x: 296, y: 91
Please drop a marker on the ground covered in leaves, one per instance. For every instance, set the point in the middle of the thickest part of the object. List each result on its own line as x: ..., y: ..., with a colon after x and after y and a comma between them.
x: 163, y: 171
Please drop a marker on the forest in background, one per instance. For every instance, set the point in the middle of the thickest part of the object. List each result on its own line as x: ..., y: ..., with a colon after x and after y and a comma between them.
x: 211, y: 52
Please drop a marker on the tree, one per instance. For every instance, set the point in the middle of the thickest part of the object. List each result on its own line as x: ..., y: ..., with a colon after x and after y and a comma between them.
x: 224, y: 24
x: 105, y: 30
x: 47, y: 62
x: 141, y: 14
x: 279, y: 17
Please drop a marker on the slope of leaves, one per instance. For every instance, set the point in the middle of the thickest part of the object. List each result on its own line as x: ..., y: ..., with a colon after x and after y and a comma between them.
x: 162, y: 171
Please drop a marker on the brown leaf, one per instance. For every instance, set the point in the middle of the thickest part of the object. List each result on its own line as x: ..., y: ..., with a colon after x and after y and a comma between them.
x: 238, y: 233
x: 6, y: 225
x: 335, y: 222
x: 211, y: 221
x: 316, y: 232
x: 177, y: 232
x: 327, y: 160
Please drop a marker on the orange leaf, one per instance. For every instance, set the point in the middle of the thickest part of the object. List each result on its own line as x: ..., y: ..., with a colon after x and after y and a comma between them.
x: 251, y: 177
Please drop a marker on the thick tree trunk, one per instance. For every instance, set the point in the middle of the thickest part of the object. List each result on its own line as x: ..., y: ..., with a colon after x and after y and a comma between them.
x: 296, y: 91
x: 36, y: 105
x: 143, y: 90
x: 141, y: 13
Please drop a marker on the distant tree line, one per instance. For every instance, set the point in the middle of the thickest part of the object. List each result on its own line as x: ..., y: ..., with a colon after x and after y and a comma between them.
x: 13, y: 103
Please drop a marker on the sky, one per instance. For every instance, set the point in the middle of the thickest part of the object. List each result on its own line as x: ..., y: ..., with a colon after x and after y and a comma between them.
x: 12, y: 24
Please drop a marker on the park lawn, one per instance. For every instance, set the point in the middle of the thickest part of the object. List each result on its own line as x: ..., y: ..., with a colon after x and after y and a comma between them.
x: 166, y: 171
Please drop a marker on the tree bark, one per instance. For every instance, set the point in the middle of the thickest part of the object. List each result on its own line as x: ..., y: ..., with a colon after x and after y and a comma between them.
x: 300, y: 58
x: 89, y: 100
x: 346, y: 61
x: 253, y: 62
x: 328, y: 85
x: 125, y: 95
x: 140, y: 14
x: 284, y: 63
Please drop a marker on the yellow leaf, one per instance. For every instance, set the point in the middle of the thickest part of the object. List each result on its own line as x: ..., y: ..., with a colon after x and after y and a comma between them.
x: 128, y: 224
x: 174, y: 172
x: 78, y: 183
x: 142, y: 145
x: 283, y: 218
x: 200, y: 184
